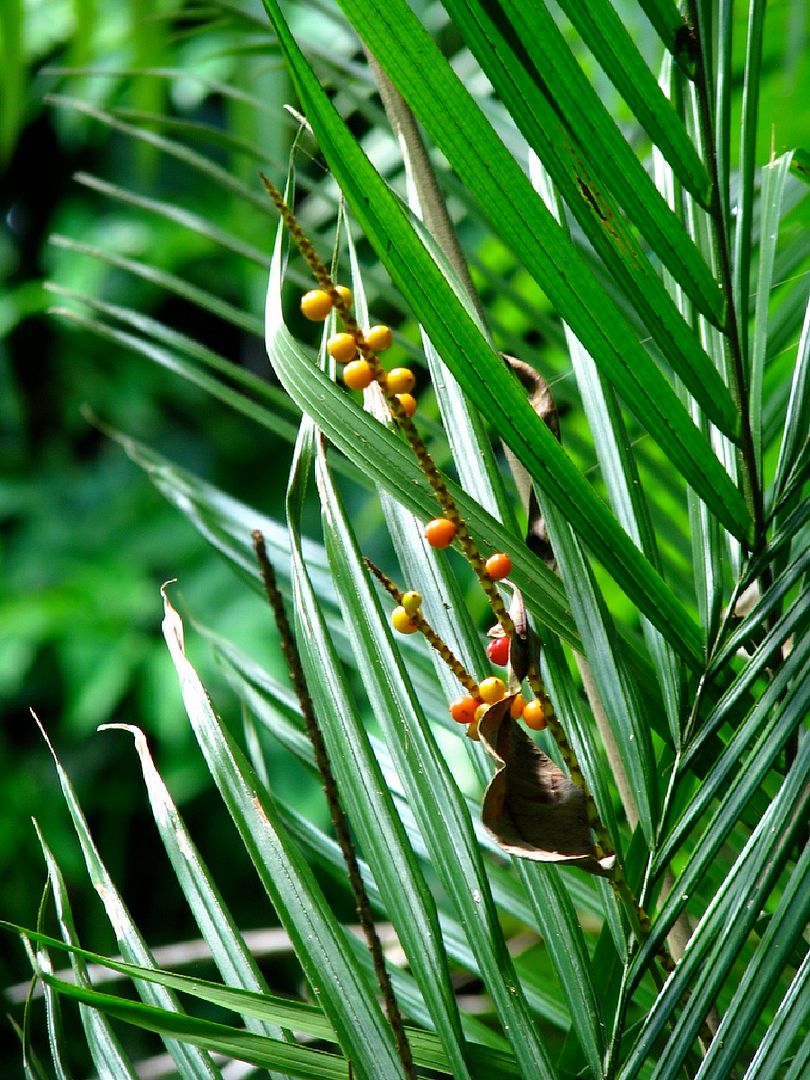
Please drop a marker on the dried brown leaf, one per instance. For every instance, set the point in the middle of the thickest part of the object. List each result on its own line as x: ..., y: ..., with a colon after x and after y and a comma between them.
x: 531, y: 807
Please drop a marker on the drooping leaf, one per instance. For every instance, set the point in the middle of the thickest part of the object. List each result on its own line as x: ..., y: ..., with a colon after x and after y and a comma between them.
x: 531, y: 807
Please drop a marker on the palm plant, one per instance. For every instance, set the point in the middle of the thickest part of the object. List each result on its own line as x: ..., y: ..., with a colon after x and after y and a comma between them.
x: 661, y: 269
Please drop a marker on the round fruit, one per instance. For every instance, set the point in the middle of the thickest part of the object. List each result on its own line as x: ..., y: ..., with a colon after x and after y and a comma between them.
x: 439, y: 533
x: 401, y: 380
x: 480, y: 713
x: 316, y: 305
x: 379, y: 338
x: 358, y: 375
x: 491, y: 690
x: 402, y: 621
x: 463, y: 710
x: 533, y: 716
x: 345, y: 294
x: 342, y: 347
x: 498, y: 566
x: 408, y: 403
x: 498, y: 651
x: 412, y: 601
x: 517, y: 706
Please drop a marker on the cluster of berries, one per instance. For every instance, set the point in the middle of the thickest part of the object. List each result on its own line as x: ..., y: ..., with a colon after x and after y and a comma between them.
x: 469, y: 710
x: 358, y: 373
x: 439, y: 533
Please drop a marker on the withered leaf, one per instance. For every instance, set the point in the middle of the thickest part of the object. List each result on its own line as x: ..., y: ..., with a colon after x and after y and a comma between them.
x: 542, y: 401
x: 531, y: 808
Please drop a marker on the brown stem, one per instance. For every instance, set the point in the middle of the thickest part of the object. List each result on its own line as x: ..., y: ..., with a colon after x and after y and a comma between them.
x: 337, y: 814
x: 424, y: 627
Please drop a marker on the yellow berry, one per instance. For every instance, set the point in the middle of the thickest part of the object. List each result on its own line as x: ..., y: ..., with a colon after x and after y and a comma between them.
x: 480, y: 713
x: 408, y: 403
x: 401, y: 380
x: 463, y: 710
x: 412, y: 601
x: 533, y: 716
x: 402, y: 621
x: 345, y: 294
x: 342, y: 347
x: 316, y: 305
x: 439, y: 533
x: 498, y: 566
x: 491, y: 690
x: 472, y: 731
x: 517, y: 706
x: 358, y: 375
x: 379, y: 338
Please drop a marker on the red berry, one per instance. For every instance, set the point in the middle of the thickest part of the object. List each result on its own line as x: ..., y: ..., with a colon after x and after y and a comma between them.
x: 498, y: 651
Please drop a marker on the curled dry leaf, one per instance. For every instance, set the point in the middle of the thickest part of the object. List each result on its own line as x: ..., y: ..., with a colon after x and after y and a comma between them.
x: 531, y: 808
x: 540, y: 399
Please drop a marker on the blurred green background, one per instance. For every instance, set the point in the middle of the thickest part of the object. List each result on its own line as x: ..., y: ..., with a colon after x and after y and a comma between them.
x: 86, y: 538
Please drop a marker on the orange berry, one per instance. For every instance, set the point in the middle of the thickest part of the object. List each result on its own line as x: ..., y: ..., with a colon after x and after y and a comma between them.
x: 316, y: 305
x: 345, y: 294
x: 498, y: 566
x: 463, y: 710
x: 379, y: 338
x: 358, y: 375
x: 408, y: 403
x: 517, y: 706
x: 342, y: 347
x: 439, y: 533
x: 491, y: 690
x: 533, y: 716
x: 401, y: 380
x: 402, y: 621
x: 412, y: 601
